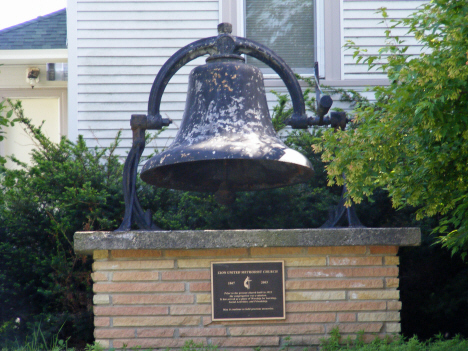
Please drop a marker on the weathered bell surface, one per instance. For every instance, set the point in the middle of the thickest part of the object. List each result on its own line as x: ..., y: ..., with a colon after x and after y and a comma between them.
x: 226, y: 141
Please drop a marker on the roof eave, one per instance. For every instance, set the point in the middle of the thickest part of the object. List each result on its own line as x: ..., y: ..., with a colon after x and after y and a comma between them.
x: 33, y: 56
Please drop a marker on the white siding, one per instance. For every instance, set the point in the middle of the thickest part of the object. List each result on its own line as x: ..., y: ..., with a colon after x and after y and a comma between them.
x: 366, y: 28
x: 121, y: 45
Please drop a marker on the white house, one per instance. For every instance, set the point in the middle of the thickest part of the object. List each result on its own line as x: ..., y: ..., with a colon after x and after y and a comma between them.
x: 27, y: 47
x: 116, y: 48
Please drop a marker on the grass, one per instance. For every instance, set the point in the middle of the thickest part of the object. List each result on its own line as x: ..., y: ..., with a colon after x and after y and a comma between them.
x: 37, y: 342
x: 335, y: 342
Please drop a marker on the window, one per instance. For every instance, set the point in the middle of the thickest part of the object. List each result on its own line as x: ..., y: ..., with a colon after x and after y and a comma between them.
x: 285, y: 26
x: 295, y: 29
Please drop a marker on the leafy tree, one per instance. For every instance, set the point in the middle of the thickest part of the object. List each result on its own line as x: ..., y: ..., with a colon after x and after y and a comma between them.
x: 5, y: 121
x: 413, y: 141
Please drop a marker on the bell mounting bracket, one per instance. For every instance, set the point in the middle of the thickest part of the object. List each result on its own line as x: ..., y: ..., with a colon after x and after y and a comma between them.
x: 223, y: 45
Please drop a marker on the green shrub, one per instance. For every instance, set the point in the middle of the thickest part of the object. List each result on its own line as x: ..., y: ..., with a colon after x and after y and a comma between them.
x: 336, y: 343
x: 38, y: 342
x: 67, y: 187
x: 5, y: 121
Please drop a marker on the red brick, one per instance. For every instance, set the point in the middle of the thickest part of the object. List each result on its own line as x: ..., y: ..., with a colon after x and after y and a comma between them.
x: 186, y: 310
x: 186, y: 275
x: 152, y: 321
x: 155, y: 343
x: 346, y: 317
x: 375, y: 250
x: 101, y: 321
x: 156, y: 333
x: 356, y: 327
x: 393, y: 327
x: 342, y: 272
x: 196, y: 263
x: 392, y: 260
x: 269, y: 251
x: 134, y: 276
x: 132, y: 265
x: 99, y: 277
x: 135, y: 253
x: 335, y: 306
x: 201, y: 286
x: 374, y: 295
x: 114, y: 333
x: 305, y: 341
x: 206, y: 320
x: 100, y: 254
x: 379, y: 316
x: 309, y: 318
x: 356, y: 261
x: 206, y: 253
x: 393, y: 305
x: 336, y: 250
x: 392, y: 282
x: 191, y: 332
x: 310, y: 261
x: 246, y: 341
x: 291, y: 318
x: 203, y: 298
x: 333, y: 284
x: 315, y: 295
x: 138, y: 287
x: 277, y: 330
x: 101, y: 299
x: 129, y: 311
x: 152, y: 299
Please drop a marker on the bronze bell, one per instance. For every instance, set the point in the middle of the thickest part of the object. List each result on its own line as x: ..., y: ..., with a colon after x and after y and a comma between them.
x: 226, y: 141
x: 226, y: 138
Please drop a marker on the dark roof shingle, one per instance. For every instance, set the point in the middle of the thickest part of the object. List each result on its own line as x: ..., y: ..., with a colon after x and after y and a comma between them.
x: 45, y: 32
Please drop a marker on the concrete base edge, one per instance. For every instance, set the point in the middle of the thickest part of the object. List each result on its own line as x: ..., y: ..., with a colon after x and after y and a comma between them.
x: 87, y: 242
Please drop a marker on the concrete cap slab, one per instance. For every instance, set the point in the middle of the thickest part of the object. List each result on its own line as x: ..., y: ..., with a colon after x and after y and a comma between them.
x: 87, y: 242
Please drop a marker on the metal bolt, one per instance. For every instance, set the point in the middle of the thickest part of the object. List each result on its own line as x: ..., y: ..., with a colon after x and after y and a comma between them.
x: 224, y: 28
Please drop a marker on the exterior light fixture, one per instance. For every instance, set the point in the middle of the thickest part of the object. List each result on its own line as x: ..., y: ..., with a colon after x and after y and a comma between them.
x: 32, y: 76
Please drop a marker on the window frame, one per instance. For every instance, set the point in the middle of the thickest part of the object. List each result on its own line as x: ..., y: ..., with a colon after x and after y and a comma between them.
x: 233, y: 11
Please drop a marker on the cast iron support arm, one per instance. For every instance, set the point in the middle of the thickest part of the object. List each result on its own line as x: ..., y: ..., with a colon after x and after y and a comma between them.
x: 133, y: 210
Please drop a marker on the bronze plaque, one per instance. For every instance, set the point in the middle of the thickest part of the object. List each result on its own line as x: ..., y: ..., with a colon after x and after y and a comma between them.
x: 247, y: 290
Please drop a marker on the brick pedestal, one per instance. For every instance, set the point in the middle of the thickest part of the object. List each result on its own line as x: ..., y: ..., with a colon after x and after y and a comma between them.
x: 160, y: 297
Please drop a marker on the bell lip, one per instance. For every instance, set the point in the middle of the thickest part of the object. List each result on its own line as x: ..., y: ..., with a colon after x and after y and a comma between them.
x: 177, y: 154
x: 302, y: 174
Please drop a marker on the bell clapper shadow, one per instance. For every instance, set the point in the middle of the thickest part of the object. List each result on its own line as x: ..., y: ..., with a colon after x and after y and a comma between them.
x: 225, y: 195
